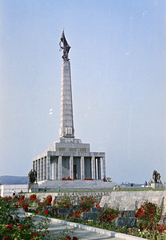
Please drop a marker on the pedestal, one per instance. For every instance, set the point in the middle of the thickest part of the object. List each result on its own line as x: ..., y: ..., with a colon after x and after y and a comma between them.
x: 33, y: 187
x: 157, y: 185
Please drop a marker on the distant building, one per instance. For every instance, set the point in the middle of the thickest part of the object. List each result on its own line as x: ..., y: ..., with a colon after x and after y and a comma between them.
x: 68, y: 156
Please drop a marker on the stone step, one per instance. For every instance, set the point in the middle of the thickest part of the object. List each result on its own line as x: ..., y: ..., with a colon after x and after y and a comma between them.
x: 85, y: 185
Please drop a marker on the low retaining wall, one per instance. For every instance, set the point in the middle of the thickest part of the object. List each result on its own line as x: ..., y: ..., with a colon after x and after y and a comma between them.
x: 128, y: 200
x: 122, y: 200
x: 74, y: 197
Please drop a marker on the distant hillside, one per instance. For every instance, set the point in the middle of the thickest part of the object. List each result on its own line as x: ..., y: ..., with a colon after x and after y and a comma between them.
x: 13, y: 180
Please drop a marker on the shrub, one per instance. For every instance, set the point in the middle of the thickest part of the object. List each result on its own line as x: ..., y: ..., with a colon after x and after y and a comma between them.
x: 108, y: 215
x: 12, y: 226
x: 63, y: 179
x: 148, y: 215
x: 64, y: 202
x: 86, y: 203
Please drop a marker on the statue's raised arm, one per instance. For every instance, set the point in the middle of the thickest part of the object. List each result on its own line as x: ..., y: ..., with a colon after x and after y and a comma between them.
x: 65, y: 46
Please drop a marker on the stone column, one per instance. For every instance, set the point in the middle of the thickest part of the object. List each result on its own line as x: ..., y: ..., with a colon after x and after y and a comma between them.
x: 48, y: 167
x: 38, y: 170
x: 60, y: 168
x: 97, y: 177
x: 103, y: 167
x: 100, y: 168
x: 71, y: 167
x: 53, y: 170
x: 36, y: 165
x: 82, y: 168
x: 44, y: 168
x: 93, y: 167
x: 33, y: 165
x: 41, y: 169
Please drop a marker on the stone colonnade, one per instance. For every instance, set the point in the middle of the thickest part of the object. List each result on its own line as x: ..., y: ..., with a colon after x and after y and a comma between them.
x: 44, y: 169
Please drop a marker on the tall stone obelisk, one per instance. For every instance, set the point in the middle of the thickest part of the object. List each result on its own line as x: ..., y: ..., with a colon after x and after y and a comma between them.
x: 66, y: 119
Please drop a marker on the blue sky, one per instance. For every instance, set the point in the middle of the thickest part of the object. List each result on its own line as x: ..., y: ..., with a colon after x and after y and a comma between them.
x: 118, y: 59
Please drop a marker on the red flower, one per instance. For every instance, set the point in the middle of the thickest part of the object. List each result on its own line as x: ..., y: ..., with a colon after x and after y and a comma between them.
x: 25, y: 208
x: 9, y: 226
x: 32, y: 197
x: 36, y: 211
x: 36, y: 235
x: 10, y: 216
x: 75, y: 238
x: 68, y: 237
x: 49, y: 198
x: 20, y: 226
x: 83, y: 202
x: 46, y: 212
x: 97, y: 206
x: 43, y: 235
x: 8, y: 236
x: 54, y: 202
x: 151, y: 219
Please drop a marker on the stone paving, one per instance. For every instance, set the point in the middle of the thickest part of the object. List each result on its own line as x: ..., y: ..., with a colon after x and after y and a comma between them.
x: 82, y: 232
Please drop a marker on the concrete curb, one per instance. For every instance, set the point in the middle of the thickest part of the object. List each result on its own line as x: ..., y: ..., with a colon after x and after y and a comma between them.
x: 92, y: 229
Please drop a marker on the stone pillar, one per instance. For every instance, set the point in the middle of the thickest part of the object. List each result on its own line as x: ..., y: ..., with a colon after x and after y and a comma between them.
x: 52, y: 170
x: 48, y: 167
x: 33, y: 165
x: 71, y: 167
x: 60, y: 168
x: 44, y: 168
x: 82, y: 168
x: 93, y: 167
x: 41, y: 169
x: 100, y: 168
x: 97, y: 177
x: 103, y: 167
x: 38, y: 170
x: 36, y: 165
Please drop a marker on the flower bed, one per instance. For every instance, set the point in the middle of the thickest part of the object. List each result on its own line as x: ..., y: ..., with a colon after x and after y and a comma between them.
x: 148, y: 217
x: 14, y: 227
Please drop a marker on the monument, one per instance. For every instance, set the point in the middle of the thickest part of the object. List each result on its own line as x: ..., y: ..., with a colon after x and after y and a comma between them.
x: 157, y: 181
x: 68, y: 157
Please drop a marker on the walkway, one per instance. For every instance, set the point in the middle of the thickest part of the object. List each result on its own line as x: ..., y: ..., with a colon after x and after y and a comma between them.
x: 82, y: 232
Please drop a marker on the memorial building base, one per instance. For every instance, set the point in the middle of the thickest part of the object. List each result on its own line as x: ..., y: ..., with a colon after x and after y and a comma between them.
x: 69, y: 158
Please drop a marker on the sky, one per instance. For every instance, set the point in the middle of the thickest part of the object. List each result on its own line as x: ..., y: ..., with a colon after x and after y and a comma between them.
x: 118, y: 71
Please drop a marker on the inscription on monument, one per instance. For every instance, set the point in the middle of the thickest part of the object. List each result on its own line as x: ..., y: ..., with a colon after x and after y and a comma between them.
x: 72, y: 149
x: 62, y: 149
x: 82, y: 149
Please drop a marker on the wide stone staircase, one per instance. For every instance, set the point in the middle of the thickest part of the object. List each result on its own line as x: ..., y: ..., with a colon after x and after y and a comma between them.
x: 75, y: 185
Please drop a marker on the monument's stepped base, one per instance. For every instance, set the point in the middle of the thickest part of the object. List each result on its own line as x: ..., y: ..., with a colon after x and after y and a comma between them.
x: 128, y: 200
x: 75, y: 185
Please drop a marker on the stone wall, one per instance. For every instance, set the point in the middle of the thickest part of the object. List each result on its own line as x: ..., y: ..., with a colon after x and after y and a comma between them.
x: 74, y: 197
x: 128, y: 200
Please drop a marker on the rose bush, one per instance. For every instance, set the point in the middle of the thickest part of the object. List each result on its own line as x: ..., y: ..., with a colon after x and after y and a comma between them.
x: 12, y: 226
x: 64, y: 203
x: 148, y: 215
